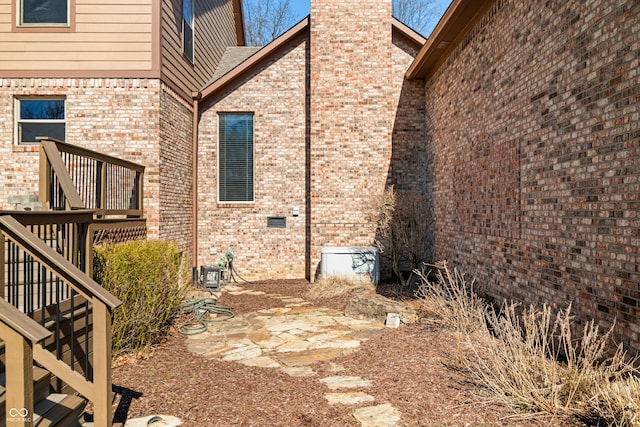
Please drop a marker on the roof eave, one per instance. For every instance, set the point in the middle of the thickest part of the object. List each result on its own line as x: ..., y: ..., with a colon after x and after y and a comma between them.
x: 408, y: 32
x: 458, y: 20
x: 254, y: 59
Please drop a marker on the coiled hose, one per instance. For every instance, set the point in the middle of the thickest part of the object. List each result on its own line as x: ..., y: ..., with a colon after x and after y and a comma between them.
x: 201, y: 310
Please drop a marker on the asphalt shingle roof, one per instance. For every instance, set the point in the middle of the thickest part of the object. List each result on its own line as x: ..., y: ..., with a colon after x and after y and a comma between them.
x: 231, y: 58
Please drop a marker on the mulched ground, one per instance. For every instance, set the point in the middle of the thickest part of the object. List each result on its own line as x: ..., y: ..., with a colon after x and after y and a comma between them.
x: 413, y: 368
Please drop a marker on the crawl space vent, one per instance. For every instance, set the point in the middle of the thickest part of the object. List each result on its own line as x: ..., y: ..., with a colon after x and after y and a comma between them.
x: 276, y: 222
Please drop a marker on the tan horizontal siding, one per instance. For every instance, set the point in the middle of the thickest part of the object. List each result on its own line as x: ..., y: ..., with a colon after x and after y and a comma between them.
x: 108, y: 18
x: 78, y: 47
x: 66, y: 65
x: 77, y: 56
x: 108, y: 35
x: 107, y: 7
x: 60, y: 40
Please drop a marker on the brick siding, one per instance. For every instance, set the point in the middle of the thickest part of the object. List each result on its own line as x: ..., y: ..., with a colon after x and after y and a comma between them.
x: 119, y: 117
x: 352, y: 115
x: 276, y: 94
x: 176, y: 170
x: 324, y: 121
x: 534, y: 130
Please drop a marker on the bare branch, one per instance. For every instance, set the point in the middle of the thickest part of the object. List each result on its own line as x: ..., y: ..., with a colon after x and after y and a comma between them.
x: 421, y: 15
x: 266, y: 19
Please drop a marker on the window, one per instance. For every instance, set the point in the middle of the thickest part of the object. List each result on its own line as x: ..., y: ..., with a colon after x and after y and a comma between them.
x: 39, y: 117
x: 187, y: 29
x: 43, y: 12
x: 235, y: 157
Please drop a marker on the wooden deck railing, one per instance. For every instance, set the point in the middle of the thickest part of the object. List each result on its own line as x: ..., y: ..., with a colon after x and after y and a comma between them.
x: 20, y: 334
x: 46, y: 267
x: 72, y: 177
x: 75, y: 310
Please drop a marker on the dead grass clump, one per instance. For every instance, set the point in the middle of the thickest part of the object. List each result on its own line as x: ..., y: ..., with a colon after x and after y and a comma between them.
x: 450, y: 300
x: 531, y: 360
x: 536, y: 365
x: 618, y: 402
x: 334, y: 286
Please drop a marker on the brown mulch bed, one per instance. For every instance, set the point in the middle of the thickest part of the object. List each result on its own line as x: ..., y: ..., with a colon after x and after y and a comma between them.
x: 413, y: 368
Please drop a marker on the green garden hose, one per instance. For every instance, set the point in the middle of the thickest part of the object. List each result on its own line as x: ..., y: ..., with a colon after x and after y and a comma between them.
x: 201, y: 310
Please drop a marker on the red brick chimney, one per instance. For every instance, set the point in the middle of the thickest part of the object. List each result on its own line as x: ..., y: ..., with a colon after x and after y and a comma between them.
x: 351, y: 118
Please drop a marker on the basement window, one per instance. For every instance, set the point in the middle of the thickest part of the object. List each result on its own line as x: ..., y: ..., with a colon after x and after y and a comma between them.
x: 42, y: 116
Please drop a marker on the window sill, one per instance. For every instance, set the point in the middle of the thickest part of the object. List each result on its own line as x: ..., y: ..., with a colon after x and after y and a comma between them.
x: 226, y: 205
x: 44, y: 29
x: 26, y: 148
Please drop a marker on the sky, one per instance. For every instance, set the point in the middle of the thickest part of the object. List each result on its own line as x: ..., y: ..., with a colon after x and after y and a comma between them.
x: 301, y: 8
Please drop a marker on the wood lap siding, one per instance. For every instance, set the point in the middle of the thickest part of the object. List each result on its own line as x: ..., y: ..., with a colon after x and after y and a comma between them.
x: 109, y: 35
x: 214, y: 30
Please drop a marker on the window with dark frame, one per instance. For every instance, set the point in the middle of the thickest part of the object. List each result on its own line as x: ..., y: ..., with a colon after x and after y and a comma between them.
x: 39, y: 117
x: 43, y: 12
x: 187, y: 29
x: 235, y: 158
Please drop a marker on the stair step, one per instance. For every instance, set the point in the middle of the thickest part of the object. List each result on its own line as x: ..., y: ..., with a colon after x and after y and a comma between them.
x: 41, y: 380
x: 61, y: 410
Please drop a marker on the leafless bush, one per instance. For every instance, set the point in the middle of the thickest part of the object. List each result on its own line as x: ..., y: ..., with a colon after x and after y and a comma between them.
x: 451, y: 300
x: 402, y: 225
x: 534, y: 363
x: 531, y: 360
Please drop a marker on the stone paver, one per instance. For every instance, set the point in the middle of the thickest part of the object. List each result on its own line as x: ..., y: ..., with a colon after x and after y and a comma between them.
x: 338, y: 382
x: 299, y: 371
x: 294, y: 338
x: 378, y: 416
x: 351, y: 398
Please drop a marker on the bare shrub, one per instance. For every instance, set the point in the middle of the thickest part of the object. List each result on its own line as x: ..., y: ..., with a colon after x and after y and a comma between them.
x: 450, y: 299
x: 402, y: 226
x: 535, y: 364
x: 333, y: 286
x: 530, y: 359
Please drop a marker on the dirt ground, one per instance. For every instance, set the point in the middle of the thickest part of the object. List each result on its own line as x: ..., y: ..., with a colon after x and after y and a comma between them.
x: 414, y: 368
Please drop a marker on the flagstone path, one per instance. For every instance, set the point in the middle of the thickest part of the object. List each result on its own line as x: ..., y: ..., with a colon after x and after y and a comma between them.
x: 294, y: 338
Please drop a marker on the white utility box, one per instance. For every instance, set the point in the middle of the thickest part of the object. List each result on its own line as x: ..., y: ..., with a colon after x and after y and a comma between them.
x: 351, y: 262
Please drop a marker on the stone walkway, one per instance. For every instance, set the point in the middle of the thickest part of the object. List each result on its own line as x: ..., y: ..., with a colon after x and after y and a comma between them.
x: 294, y: 338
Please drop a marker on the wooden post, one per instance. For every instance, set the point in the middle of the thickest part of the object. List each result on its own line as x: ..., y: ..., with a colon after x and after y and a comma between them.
x: 103, y: 187
x: 102, y: 395
x: 140, y: 178
x: 3, y: 251
x: 19, y: 376
x: 45, y: 180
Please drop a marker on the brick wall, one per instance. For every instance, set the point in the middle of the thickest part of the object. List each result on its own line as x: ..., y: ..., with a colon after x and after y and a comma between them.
x: 408, y: 152
x: 534, y: 131
x: 276, y: 94
x: 119, y: 117
x: 176, y: 170
x: 352, y: 115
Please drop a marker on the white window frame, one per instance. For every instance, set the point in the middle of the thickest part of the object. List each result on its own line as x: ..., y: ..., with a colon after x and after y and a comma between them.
x: 18, y: 119
x: 218, y: 158
x: 20, y: 17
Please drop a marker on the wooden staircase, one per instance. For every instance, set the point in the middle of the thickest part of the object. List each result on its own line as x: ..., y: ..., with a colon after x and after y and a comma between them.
x: 52, y: 314
x: 51, y: 409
